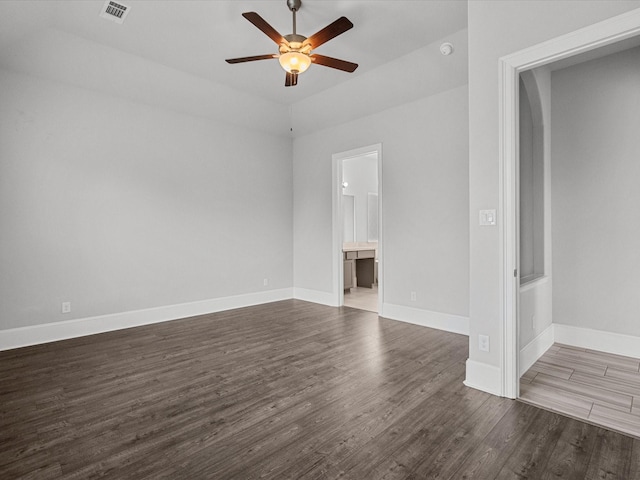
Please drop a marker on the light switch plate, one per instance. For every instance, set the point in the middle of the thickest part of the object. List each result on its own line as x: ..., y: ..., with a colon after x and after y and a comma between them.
x: 487, y: 217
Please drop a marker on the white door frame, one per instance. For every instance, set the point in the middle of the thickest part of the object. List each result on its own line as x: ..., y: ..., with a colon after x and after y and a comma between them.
x: 594, y: 36
x: 338, y: 266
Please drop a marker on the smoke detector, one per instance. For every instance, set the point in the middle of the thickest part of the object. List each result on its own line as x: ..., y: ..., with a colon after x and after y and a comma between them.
x: 446, y: 49
x: 114, y: 11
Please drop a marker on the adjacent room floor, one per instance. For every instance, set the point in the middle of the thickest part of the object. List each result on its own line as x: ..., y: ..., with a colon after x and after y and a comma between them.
x: 362, y: 298
x: 283, y: 390
x: 601, y: 388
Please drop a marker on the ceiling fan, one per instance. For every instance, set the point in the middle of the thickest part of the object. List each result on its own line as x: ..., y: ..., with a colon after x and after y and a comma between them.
x: 295, y: 50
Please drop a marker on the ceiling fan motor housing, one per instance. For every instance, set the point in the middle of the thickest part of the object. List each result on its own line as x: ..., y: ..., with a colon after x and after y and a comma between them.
x: 295, y: 43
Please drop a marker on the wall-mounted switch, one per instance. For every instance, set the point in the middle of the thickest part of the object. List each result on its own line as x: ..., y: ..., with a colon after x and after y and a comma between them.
x: 487, y: 217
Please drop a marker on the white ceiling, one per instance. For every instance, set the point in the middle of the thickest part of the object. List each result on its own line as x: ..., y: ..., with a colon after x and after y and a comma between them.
x: 177, y: 49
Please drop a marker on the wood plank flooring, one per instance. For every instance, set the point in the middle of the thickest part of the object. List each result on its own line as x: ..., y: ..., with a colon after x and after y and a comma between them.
x: 600, y: 388
x: 284, y: 390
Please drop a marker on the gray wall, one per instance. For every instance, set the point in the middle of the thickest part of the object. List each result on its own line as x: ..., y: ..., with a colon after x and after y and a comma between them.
x: 425, y: 201
x: 535, y: 302
x: 596, y: 193
x: 362, y: 175
x: 117, y: 206
x: 532, y: 186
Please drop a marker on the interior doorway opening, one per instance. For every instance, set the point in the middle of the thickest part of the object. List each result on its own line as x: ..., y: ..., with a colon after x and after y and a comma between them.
x: 567, y: 48
x: 357, y: 223
x: 360, y: 232
x: 593, y: 130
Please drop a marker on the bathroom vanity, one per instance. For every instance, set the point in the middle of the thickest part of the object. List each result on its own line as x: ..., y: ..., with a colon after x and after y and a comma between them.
x: 359, y: 263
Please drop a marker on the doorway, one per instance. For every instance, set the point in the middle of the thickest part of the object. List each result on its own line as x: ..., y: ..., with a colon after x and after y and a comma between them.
x: 357, y: 228
x: 595, y: 173
x: 603, y: 34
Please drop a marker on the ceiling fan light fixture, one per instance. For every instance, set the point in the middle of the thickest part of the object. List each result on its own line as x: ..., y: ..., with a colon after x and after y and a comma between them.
x: 295, y: 50
x: 294, y: 62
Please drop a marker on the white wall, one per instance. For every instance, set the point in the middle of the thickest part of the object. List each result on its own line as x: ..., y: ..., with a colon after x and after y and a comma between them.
x: 526, y: 169
x: 117, y: 206
x: 425, y: 201
x: 361, y: 173
x: 596, y: 193
x: 535, y: 301
x: 496, y: 29
x: 532, y: 186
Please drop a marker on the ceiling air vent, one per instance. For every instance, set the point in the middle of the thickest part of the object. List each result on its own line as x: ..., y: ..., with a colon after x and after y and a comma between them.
x: 114, y: 11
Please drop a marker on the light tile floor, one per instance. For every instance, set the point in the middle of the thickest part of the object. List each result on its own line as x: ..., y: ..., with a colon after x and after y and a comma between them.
x: 600, y: 388
x: 362, y: 298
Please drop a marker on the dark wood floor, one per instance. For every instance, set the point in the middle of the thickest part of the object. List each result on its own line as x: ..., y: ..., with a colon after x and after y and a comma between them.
x: 285, y: 390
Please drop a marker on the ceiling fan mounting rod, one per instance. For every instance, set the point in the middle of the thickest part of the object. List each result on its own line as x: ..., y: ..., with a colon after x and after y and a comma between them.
x: 294, y: 6
x: 294, y: 21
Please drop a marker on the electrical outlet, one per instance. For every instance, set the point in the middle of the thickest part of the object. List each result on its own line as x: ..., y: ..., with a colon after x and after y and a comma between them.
x: 66, y: 307
x: 265, y: 282
x: 533, y: 322
x: 413, y: 296
x: 483, y: 343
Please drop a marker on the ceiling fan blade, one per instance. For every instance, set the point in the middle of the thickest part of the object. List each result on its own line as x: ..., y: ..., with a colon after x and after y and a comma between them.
x: 251, y: 59
x: 267, y: 29
x: 332, y: 30
x: 290, y: 79
x: 333, y: 62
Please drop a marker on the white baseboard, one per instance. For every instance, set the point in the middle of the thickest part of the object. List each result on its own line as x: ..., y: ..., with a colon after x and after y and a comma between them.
x: 315, y: 296
x: 51, y: 332
x: 427, y: 318
x: 481, y: 376
x: 609, y: 342
x: 535, y: 348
